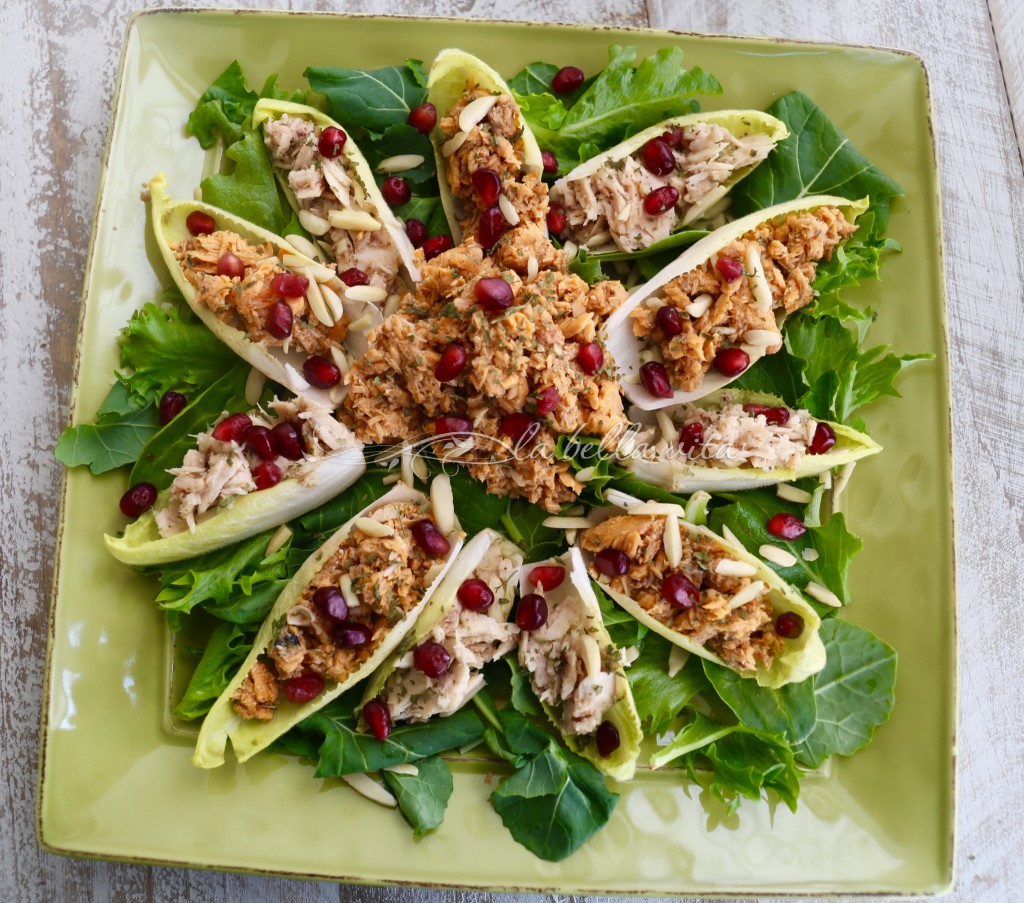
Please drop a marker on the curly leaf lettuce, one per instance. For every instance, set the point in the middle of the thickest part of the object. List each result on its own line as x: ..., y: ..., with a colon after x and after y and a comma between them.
x: 250, y: 190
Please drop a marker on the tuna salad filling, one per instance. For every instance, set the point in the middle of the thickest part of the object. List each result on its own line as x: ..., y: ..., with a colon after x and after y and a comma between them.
x: 731, y: 300
x: 372, y: 581
x: 332, y: 201
x: 607, y: 205
x: 709, y: 597
x: 244, y: 453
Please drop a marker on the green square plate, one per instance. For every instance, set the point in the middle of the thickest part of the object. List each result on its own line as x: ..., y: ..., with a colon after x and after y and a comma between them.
x: 115, y: 783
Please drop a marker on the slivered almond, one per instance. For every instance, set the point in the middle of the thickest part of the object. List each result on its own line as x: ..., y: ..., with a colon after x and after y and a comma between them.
x: 570, y: 250
x: 758, y: 281
x: 391, y: 305
x: 602, y: 238
x: 750, y: 592
x: 405, y: 463
x: 762, y: 338
x: 254, y: 384
x: 442, y: 502
x: 677, y: 657
x: 372, y: 294
x: 824, y: 595
x: 591, y: 656
x: 699, y: 306
x: 658, y: 508
x: 400, y: 163
x: 313, y: 224
x: 669, y: 432
x: 404, y: 768
x: 303, y: 246
x: 316, y: 303
x: 730, y: 537
x: 277, y: 541
x: 391, y: 479
x: 372, y: 527
x: 781, y: 557
x: 673, y: 541
x: 419, y: 467
x: 809, y: 554
x: 730, y: 567
x: 844, y: 477
x: 508, y: 210
x: 475, y: 111
x: 366, y: 786
x: 586, y: 474
x: 332, y: 301
x: 340, y: 359
x: 793, y: 494
x: 434, y: 572
x: 364, y: 322
x: 353, y: 221
x: 454, y: 143
x: 532, y: 268
x: 567, y: 523
x: 347, y: 592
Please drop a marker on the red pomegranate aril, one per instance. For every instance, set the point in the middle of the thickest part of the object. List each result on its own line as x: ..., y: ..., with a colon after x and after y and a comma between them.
x: 233, y: 428
x: 660, y: 200
x: 289, y: 285
x: 547, y: 400
x: 492, y: 226
x: 691, y: 437
x: 775, y: 416
x: 279, y: 320
x: 590, y: 357
x: 824, y: 439
x: 353, y: 276
x: 331, y: 603
x: 731, y: 361
x: 488, y: 186
x: 786, y: 526
x: 287, y: 441
x: 436, y: 245
x: 430, y: 539
x: 451, y: 363
x: 567, y: 79
x: 258, y: 441
x: 396, y: 191
x: 532, y: 612
x: 432, y: 659
x: 611, y: 563
x: 171, y: 405
x: 654, y: 376
x: 452, y: 425
x: 475, y: 595
x: 669, y: 320
x: 678, y: 590
x: 417, y: 231
x: 607, y: 737
x: 230, y: 265
x: 789, y: 625
x: 138, y: 499
x: 494, y: 294
x: 266, y: 474
x: 304, y: 688
x: 673, y: 137
x: 378, y: 719
x: 550, y: 161
x: 657, y: 158
x: 331, y: 142
x: 423, y: 118
x: 556, y: 219
x: 729, y: 268
x: 521, y: 428
x: 349, y: 634
x: 199, y: 223
x: 547, y: 576
x: 320, y: 372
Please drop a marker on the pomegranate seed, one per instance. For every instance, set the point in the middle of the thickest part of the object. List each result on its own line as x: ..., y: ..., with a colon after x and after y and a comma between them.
x: 673, y: 137
x: 305, y: 687
x: 230, y: 265
x: 521, y: 428
x: 654, y: 376
x: 452, y: 425
x: 678, y: 590
x: 266, y: 474
x: 349, y: 634
x: 377, y: 718
x: 432, y: 659
x: 547, y: 400
x: 547, y: 576
x: 423, y: 118
x: 567, y: 79
x: 258, y: 441
x: 658, y: 158
x: 731, y: 361
x: 493, y: 294
x: 436, y: 245
x: 287, y: 441
x: 590, y: 357
x: 776, y: 416
x: 233, y: 428
x: 199, y: 223
x: 320, y: 372
x: 430, y: 539
x: 417, y: 231
x: 532, y: 612
x: 611, y: 563
x: 669, y: 320
x: 550, y: 161
x: 786, y: 526
x: 729, y: 269
x: 691, y: 437
x: 396, y: 191
x: 331, y: 603
x: 556, y: 219
x: 607, y: 737
x: 824, y: 439
x: 492, y: 226
x: 451, y: 363
x: 332, y: 142
x: 660, y: 200
x: 475, y: 595
x: 171, y: 405
x: 789, y: 625
x: 354, y: 276
x: 488, y: 186
x: 289, y: 285
x: 279, y: 320
x: 138, y: 499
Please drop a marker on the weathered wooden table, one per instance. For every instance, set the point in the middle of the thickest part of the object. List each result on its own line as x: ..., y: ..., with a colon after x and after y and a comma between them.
x: 58, y: 63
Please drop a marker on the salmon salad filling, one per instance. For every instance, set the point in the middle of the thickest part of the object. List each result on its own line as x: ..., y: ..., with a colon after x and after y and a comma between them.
x: 608, y: 205
x: 377, y: 576
x: 731, y: 300
x: 709, y: 597
x: 332, y: 201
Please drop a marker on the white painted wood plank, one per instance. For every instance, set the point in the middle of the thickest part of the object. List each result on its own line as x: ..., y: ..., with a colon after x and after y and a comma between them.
x: 1008, y: 26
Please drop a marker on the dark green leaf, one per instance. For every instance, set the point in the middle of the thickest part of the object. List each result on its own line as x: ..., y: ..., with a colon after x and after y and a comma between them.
x: 225, y: 651
x: 534, y: 79
x: 250, y: 190
x: 369, y: 99
x: 659, y: 698
x: 476, y: 507
x: 324, y: 520
x: 623, y: 628
x: 672, y: 244
x: 788, y: 710
x: 523, y: 523
x: 116, y: 439
x: 522, y: 696
x: 428, y: 211
x: 423, y: 797
x: 398, y: 140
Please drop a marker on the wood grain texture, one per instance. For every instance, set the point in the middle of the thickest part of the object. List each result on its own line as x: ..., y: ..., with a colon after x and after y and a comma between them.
x: 63, y: 57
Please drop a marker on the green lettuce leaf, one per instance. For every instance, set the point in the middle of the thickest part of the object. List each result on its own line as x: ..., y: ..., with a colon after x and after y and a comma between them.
x: 402, y: 139
x: 222, y: 108
x: 659, y: 698
x: 534, y: 79
x: 623, y: 628
x: 323, y: 521
x: 423, y: 797
x: 523, y: 523
x: 225, y: 651
x: 124, y: 426
x: 250, y: 190
x: 789, y: 710
x: 428, y: 211
x: 373, y: 100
